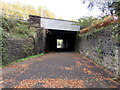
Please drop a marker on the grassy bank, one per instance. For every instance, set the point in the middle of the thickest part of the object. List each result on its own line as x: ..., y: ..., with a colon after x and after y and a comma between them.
x: 23, y: 59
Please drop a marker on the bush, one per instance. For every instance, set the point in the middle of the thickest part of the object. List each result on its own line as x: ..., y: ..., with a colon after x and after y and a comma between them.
x: 18, y: 27
x: 85, y: 21
x: 107, y: 21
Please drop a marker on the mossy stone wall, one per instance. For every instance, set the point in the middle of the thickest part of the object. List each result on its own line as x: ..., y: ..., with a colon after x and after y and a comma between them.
x: 101, y: 47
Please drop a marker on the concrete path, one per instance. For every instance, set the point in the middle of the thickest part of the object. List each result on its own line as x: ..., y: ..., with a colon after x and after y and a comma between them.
x: 57, y: 70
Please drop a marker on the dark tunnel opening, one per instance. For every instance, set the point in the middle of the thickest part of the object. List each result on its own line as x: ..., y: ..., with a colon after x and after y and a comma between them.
x: 60, y: 41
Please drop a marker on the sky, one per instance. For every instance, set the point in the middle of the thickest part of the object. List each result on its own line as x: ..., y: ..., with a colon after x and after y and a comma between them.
x: 66, y: 9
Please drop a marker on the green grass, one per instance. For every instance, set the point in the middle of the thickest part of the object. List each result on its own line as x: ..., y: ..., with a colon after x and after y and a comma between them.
x: 17, y: 35
x: 117, y: 79
x: 23, y: 59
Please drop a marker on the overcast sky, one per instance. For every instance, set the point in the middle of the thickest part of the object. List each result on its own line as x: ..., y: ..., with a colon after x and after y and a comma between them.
x: 66, y: 9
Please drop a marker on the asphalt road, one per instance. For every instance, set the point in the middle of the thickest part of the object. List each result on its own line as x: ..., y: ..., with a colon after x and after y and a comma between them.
x: 57, y: 70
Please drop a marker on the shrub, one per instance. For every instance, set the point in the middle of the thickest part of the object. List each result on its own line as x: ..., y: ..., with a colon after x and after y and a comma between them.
x: 18, y: 27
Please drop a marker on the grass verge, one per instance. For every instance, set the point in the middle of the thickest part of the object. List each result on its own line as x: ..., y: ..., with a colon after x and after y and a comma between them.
x: 117, y: 79
x: 23, y: 59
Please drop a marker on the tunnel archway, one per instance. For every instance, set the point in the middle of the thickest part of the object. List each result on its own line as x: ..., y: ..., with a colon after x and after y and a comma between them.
x: 68, y: 40
x: 57, y: 29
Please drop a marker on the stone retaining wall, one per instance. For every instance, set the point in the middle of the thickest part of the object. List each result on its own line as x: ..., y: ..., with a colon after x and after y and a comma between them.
x: 15, y: 48
x: 102, y: 48
x: 18, y: 48
x: 21, y: 48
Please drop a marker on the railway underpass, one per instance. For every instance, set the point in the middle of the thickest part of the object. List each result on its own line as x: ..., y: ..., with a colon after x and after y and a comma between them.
x: 61, y: 34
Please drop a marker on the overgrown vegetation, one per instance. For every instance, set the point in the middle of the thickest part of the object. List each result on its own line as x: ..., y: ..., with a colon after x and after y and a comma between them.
x: 23, y: 11
x: 117, y: 79
x: 100, y: 52
x: 115, y: 33
x: 89, y: 24
x: 3, y: 51
x: 16, y: 28
x: 92, y: 32
x: 28, y: 49
x: 85, y: 21
x: 23, y: 59
x: 108, y: 7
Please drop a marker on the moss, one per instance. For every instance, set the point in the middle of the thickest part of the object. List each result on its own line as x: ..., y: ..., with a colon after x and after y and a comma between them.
x: 28, y: 49
x: 92, y: 32
x: 16, y: 28
x: 23, y: 59
x: 3, y: 50
x: 115, y: 33
x: 117, y: 79
x: 113, y: 61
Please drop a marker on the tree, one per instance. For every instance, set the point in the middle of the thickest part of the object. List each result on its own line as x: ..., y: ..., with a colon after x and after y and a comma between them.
x: 85, y: 21
x: 19, y: 11
x: 106, y: 6
x: 72, y: 20
x: 115, y: 8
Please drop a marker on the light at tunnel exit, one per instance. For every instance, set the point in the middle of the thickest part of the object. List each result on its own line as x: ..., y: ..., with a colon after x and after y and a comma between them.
x: 59, y: 43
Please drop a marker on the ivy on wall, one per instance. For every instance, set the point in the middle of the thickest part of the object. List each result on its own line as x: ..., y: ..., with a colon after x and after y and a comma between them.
x: 114, y: 32
x: 12, y: 28
x: 16, y: 28
x: 28, y: 49
x: 102, y: 45
x: 3, y: 51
